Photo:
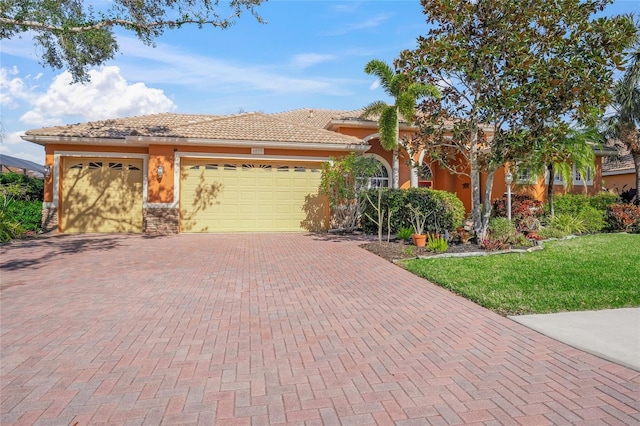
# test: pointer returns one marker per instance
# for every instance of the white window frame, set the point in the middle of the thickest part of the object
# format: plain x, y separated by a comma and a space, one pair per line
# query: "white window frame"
578, 178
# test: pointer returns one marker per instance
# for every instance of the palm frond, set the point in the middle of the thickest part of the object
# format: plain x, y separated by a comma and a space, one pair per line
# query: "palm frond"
388, 128
381, 70
374, 109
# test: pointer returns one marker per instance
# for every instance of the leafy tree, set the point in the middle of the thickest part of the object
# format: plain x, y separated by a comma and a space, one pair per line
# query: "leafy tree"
504, 66
343, 181
405, 93
624, 125
74, 34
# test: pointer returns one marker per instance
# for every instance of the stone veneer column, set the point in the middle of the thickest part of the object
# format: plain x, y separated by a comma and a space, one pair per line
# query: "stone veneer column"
161, 220
49, 218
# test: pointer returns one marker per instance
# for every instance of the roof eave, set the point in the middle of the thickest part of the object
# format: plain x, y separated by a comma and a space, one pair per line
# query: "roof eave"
145, 141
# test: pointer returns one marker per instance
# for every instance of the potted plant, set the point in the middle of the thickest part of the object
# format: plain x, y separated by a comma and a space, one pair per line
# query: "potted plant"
418, 220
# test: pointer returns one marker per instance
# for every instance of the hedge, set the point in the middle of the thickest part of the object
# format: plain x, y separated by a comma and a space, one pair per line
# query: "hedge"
447, 211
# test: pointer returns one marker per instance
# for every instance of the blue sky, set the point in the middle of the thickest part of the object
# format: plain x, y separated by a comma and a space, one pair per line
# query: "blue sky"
309, 54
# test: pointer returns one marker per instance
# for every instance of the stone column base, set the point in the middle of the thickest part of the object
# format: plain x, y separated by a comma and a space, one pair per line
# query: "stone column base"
161, 220
49, 219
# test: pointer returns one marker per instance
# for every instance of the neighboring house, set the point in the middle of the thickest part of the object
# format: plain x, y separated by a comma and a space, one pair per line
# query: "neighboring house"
619, 173
202, 173
10, 164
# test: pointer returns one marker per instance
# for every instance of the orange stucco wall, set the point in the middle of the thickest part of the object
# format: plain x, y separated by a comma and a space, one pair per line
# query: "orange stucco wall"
160, 190
615, 183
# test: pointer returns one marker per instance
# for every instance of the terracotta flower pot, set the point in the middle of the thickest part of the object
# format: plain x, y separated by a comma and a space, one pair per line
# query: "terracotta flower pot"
419, 240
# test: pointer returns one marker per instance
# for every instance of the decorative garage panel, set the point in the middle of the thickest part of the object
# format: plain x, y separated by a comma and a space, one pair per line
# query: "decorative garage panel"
101, 195
229, 196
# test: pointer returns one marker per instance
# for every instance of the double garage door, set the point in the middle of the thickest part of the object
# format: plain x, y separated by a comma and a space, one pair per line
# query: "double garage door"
106, 195
231, 196
101, 195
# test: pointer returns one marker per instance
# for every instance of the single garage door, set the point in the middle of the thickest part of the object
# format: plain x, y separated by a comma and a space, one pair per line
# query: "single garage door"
227, 196
101, 195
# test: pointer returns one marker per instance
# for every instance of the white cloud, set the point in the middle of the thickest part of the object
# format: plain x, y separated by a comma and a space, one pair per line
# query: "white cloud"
13, 90
107, 95
166, 64
375, 85
374, 22
306, 60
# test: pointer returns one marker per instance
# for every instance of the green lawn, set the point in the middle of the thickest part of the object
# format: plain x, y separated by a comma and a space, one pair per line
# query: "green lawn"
587, 273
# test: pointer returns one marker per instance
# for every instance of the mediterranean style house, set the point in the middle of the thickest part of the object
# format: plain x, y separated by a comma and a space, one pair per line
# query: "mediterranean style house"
249, 172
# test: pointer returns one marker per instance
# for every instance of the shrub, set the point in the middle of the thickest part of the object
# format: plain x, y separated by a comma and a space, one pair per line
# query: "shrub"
592, 218
446, 211
521, 206
551, 232
9, 227
575, 203
568, 223
21, 187
502, 228
437, 244
404, 234
602, 200
623, 217
27, 213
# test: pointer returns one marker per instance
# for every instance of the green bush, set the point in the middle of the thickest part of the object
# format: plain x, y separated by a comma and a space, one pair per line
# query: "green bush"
592, 218
27, 213
21, 187
502, 229
404, 234
9, 227
445, 209
602, 200
568, 223
551, 232
575, 203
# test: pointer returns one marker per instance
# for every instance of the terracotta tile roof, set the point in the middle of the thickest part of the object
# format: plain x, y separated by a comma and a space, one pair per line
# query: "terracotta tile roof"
319, 118
240, 127
622, 163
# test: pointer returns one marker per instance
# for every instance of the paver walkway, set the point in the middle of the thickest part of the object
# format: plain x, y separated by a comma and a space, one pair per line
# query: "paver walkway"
268, 329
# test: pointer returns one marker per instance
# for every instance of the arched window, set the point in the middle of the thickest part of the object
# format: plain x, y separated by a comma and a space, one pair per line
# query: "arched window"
425, 176
380, 178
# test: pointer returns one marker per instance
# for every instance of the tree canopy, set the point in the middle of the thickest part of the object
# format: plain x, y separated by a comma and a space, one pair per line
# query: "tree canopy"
624, 124
507, 65
74, 34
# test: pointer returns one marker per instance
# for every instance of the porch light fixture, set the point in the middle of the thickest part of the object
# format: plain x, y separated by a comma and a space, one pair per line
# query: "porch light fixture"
47, 171
508, 179
160, 171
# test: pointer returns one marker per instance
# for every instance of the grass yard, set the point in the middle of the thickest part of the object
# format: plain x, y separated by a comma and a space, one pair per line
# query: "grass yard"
587, 273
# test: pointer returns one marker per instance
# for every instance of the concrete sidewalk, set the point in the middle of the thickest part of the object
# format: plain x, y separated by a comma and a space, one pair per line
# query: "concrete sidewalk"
612, 334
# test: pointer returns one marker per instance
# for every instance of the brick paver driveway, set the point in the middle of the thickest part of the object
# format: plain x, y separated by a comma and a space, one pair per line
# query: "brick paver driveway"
266, 329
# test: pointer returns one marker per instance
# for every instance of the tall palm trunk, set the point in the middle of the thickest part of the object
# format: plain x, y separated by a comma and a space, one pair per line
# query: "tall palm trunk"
395, 165
636, 162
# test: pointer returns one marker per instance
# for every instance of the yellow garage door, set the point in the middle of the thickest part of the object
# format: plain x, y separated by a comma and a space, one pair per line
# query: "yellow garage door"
226, 196
101, 195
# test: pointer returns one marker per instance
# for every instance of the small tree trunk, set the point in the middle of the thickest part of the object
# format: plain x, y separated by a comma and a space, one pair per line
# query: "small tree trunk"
550, 189
487, 206
475, 190
636, 162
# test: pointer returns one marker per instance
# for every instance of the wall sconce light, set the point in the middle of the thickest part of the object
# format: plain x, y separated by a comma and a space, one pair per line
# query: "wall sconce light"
47, 171
160, 171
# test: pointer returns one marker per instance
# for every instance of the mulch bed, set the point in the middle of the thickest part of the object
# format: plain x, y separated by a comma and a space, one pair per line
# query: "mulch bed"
400, 250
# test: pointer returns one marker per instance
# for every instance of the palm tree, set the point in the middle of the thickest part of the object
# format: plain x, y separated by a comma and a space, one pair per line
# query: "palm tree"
624, 125
405, 93
561, 150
